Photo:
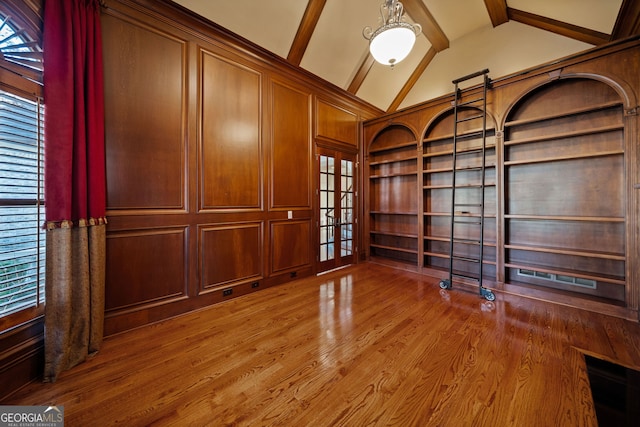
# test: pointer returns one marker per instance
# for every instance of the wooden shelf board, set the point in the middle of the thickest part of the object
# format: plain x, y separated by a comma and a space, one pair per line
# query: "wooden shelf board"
470, 132
392, 213
446, 256
492, 216
437, 238
559, 251
393, 175
438, 153
394, 147
564, 218
436, 254
389, 233
450, 169
562, 158
393, 248
564, 135
436, 187
569, 113
440, 187
386, 162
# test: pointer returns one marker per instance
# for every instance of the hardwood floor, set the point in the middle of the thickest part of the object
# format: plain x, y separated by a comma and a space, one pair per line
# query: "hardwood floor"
366, 345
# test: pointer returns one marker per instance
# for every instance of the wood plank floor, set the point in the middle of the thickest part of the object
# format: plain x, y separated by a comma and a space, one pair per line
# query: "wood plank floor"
366, 345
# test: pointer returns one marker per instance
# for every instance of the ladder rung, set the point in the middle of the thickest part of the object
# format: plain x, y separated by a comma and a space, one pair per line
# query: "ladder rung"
468, 135
469, 186
467, 222
463, 258
470, 76
465, 276
468, 204
472, 101
472, 151
468, 241
466, 119
470, 168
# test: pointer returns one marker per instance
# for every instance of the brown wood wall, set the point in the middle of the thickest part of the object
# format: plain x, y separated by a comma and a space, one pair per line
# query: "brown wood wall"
210, 149
210, 146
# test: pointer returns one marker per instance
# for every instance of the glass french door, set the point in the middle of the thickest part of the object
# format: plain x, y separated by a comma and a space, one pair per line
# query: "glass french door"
337, 209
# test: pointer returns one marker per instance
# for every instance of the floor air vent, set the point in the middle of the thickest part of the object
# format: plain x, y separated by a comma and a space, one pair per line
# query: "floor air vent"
559, 278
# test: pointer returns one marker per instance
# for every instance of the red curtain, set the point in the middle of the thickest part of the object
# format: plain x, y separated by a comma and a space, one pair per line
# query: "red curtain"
75, 186
74, 111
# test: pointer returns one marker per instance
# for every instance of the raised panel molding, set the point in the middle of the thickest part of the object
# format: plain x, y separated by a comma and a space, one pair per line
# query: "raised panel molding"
290, 245
230, 254
230, 135
336, 124
145, 118
291, 172
145, 267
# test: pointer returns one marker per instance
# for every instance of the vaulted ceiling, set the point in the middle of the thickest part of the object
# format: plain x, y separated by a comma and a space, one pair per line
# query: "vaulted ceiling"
458, 37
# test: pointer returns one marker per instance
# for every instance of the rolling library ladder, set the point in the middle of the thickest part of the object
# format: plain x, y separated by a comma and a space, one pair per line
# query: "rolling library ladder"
468, 212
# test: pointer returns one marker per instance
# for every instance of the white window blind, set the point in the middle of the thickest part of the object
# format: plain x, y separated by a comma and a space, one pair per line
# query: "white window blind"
22, 240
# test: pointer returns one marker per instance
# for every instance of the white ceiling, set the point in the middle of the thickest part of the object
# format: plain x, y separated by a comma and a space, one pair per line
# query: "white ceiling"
336, 49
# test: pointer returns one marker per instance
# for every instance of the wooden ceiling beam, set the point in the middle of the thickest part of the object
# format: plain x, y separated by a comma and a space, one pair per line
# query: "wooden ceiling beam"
430, 28
305, 30
628, 21
497, 11
361, 74
415, 76
558, 27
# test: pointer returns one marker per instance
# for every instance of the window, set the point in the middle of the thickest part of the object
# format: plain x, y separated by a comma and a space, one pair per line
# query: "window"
22, 241
21, 204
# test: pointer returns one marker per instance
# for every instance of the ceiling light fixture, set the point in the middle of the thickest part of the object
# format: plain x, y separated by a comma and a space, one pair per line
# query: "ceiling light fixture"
393, 41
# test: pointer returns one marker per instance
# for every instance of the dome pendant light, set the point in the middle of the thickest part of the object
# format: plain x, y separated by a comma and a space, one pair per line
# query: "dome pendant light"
393, 41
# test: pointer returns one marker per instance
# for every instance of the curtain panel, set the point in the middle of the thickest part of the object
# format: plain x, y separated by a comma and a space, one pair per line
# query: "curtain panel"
75, 193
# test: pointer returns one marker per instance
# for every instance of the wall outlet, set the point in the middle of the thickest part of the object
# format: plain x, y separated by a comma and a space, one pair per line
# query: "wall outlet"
227, 292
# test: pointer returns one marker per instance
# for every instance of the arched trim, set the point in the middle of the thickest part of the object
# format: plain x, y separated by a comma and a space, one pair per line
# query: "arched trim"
387, 127
622, 89
449, 110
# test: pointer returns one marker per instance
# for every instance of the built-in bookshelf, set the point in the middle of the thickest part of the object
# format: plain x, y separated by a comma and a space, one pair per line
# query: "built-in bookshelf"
392, 161
565, 190
437, 170
561, 201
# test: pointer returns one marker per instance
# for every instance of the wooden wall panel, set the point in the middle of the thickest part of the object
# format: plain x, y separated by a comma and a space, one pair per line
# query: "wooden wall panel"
290, 248
336, 124
576, 188
230, 253
230, 126
144, 116
145, 266
291, 172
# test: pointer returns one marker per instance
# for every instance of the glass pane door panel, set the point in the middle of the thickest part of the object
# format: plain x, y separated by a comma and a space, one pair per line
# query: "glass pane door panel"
327, 209
346, 208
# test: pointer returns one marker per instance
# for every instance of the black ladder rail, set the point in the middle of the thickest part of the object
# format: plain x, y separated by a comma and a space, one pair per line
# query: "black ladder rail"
447, 284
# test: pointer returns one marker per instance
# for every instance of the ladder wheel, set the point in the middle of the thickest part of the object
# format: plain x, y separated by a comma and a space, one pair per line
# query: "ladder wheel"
444, 284
489, 296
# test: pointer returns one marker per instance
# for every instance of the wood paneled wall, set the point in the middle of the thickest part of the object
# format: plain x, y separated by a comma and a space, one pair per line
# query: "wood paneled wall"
210, 162
210, 152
